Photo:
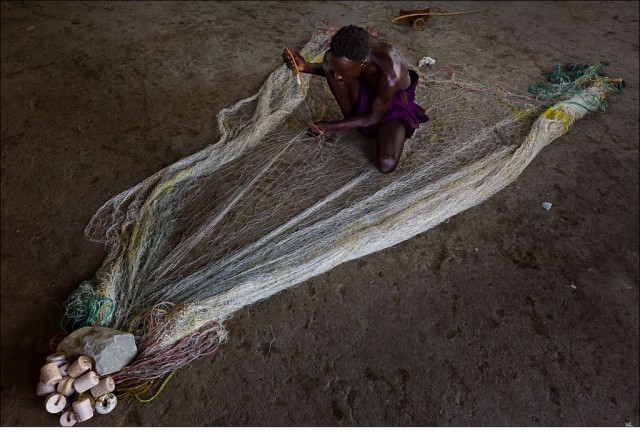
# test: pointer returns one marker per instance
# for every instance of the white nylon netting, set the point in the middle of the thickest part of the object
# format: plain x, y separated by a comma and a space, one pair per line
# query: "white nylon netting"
268, 207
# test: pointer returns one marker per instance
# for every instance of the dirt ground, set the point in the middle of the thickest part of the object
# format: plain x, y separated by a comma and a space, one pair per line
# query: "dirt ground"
506, 315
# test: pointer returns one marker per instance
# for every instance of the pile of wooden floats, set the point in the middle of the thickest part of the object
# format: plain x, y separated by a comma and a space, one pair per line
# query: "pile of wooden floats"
74, 389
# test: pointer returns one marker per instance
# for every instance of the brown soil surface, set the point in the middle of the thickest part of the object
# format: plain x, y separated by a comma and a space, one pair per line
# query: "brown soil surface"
505, 315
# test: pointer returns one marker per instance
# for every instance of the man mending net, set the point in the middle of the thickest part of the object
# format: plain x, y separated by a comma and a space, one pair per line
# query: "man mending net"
373, 86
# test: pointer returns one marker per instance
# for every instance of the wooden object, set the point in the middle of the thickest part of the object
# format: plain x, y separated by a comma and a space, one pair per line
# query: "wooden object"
55, 403
65, 387
417, 18
82, 409
106, 385
44, 389
79, 366
86, 382
67, 419
50, 374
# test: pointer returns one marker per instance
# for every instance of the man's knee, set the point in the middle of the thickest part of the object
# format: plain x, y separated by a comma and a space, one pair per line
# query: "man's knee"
390, 137
387, 164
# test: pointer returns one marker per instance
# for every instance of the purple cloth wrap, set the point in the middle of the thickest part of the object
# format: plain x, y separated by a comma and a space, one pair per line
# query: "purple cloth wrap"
402, 107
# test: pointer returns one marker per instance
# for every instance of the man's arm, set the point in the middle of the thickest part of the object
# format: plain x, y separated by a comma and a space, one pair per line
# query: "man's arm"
379, 107
295, 62
313, 68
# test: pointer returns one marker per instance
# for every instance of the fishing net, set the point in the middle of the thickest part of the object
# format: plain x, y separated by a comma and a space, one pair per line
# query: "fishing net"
268, 207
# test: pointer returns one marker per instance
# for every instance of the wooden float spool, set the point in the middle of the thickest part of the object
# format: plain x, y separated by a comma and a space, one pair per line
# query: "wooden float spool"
86, 382
55, 403
82, 409
50, 374
68, 418
79, 367
105, 386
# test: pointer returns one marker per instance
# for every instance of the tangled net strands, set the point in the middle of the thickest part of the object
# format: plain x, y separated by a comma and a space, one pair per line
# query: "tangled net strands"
268, 207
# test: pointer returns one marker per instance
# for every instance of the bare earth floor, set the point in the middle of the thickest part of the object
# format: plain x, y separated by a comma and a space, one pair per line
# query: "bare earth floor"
505, 315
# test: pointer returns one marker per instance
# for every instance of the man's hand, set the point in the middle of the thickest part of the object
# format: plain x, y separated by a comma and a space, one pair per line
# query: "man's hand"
323, 130
316, 130
293, 60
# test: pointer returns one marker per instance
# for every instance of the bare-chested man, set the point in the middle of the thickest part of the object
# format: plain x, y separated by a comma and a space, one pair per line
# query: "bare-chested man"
374, 88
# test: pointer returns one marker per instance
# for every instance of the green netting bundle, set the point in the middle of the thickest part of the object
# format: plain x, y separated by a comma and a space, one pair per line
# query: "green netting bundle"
572, 82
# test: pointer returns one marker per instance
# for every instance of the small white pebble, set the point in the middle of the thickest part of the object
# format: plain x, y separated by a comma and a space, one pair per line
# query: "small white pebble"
426, 61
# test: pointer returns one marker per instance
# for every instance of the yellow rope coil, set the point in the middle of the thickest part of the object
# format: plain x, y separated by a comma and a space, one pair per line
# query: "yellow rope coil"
164, 383
136, 389
553, 113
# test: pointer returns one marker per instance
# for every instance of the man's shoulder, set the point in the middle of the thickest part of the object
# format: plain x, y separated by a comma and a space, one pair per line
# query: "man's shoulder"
390, 58
394, 68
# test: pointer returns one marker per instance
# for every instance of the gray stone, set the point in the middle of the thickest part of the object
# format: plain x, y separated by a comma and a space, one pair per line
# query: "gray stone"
111, 350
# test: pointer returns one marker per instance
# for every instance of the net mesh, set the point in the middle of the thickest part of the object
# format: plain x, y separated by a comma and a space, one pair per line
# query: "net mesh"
268, 207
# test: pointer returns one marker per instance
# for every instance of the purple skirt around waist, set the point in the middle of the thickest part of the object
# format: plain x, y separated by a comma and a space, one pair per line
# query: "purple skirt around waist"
402, 107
